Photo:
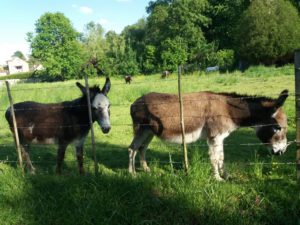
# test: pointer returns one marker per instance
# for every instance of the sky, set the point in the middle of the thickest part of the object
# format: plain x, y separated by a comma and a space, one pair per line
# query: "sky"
18, 17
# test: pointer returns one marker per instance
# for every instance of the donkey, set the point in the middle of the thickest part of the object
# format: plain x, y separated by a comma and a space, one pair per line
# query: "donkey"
60, 123
207, 115
165, 74
128, 79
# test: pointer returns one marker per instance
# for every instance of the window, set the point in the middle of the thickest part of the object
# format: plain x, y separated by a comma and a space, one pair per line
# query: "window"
19, 68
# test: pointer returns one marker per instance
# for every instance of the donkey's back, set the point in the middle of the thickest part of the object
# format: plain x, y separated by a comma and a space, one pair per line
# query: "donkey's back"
205, 113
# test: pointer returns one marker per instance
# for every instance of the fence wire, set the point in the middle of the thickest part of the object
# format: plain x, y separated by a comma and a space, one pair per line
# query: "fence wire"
156, 145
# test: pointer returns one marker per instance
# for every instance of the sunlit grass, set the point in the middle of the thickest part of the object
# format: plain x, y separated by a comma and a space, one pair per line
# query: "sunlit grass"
263, 189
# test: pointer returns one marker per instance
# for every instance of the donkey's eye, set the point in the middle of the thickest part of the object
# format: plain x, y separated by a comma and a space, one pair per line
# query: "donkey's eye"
276, 129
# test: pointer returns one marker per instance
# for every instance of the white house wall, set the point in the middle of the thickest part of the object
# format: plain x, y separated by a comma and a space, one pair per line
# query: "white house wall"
17, 65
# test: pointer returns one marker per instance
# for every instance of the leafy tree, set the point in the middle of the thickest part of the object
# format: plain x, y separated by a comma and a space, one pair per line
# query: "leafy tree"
157, 27
149, 62
225, 59
296, 3
19, 54
153, 4
186, 19
268, 32
55, 44
174, 53
94, 46
134, 36
224, 15
128, 63
170, 20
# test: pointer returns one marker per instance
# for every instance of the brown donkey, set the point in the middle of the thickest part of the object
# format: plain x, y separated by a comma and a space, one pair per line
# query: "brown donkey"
207, 115
61, 123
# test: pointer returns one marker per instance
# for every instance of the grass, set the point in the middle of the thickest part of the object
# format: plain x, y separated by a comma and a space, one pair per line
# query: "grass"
263, 189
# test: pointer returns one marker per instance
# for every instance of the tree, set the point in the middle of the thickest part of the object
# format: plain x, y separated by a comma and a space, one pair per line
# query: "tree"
268, 32
19, 54
55, 44
149, 62
128, 63
153, 4
94, 46
224, 15
134, 36
296, 3
174, 53
170, 20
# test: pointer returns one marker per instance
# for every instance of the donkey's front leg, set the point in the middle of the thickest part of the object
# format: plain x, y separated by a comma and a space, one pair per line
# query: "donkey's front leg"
215, 151
26, 157
79, 155
60, 157
131, 154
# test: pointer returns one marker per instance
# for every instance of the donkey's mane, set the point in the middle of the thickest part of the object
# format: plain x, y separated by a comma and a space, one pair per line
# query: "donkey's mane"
95, 88
256, 98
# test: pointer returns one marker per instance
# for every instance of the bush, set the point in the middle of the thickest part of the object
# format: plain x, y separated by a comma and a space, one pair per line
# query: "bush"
268, 32
18, 76
263, 71
225, 60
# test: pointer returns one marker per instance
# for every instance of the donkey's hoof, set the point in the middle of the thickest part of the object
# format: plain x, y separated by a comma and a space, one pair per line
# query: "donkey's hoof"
227, 176
147, 169
132, 172
218, 178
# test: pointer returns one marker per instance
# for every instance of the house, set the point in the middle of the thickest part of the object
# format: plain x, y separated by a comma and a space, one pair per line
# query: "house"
17, 65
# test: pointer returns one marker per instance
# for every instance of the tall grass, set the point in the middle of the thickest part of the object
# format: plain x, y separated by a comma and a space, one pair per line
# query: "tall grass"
263, 189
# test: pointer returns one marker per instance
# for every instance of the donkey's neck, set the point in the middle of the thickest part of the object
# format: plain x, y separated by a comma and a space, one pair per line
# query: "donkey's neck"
254, 111
78, 108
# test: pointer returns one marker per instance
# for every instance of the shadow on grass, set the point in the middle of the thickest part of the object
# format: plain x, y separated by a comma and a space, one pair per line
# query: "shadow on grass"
117, 198
122, 199
236, 150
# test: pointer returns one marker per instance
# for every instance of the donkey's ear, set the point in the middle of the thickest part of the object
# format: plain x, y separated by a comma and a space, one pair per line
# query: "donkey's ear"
281, 99
106, 86
81, 87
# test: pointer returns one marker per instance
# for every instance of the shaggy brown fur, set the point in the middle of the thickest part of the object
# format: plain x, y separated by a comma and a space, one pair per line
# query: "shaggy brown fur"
208, 115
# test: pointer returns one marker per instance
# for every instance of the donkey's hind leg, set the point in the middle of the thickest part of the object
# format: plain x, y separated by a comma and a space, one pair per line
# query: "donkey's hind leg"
26, 157
60, 157
140, 142
143, 150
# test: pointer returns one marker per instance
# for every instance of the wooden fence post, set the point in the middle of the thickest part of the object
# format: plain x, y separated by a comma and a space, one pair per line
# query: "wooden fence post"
17, 141
91, 124
186, 163
297, 96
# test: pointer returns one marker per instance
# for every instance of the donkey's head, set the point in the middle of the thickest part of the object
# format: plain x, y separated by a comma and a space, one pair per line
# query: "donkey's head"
100, 104
273, 131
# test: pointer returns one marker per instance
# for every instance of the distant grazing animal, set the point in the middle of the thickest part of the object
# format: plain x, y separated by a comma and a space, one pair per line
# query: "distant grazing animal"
212, 69
208, 115
60, 123
128, 79
165, 74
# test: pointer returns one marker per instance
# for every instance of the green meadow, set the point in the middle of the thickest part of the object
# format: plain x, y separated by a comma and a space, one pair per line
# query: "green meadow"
263, 188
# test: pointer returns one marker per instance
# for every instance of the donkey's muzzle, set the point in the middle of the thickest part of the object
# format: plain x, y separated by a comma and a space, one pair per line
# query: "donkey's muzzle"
105, 130
277, 153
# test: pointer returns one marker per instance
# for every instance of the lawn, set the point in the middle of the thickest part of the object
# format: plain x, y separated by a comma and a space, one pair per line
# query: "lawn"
263, 188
